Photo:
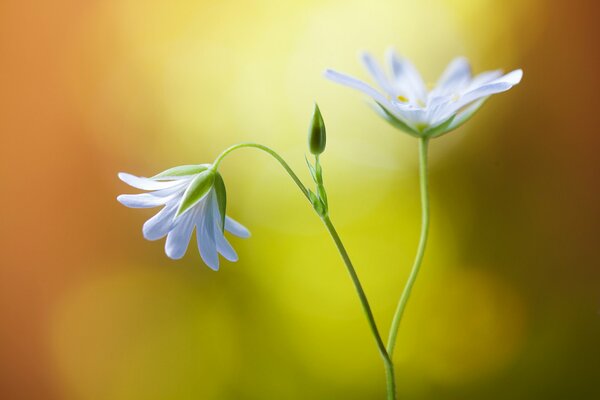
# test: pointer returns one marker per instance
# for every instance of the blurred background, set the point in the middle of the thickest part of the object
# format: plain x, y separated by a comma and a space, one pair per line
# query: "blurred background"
508, 302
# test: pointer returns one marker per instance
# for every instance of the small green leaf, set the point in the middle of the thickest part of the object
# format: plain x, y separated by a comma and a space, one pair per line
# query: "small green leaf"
322, 195
317, 203
311, 169
318, 172
317, 137
221, 198
182, 170
200, 185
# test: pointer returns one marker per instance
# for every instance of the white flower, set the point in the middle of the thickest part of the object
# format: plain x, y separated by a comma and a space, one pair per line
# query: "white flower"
192, 196
405, 101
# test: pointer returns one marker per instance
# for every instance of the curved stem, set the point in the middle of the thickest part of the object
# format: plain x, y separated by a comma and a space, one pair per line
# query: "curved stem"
268, 150
423, 144
389, 367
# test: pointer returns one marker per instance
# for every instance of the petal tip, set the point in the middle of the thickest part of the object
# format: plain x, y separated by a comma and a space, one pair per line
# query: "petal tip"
173, 256
329, 73
518, 75
214, 267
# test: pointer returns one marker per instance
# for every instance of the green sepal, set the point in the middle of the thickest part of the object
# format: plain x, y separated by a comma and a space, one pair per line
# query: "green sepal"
197, 189
317, 137
462, 117
182, 170
317, 203
322, 195
221, 198
394, 121
439, 129
318, 172
313, 173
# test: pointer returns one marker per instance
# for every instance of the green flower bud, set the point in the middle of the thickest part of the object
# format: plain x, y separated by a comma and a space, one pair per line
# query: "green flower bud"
316, 133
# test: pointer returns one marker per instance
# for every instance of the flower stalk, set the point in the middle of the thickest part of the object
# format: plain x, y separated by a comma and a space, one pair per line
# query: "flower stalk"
387, 361
423, 150
316, 172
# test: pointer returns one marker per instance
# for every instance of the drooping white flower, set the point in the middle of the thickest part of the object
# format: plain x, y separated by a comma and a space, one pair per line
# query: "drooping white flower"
192, 196
407, 103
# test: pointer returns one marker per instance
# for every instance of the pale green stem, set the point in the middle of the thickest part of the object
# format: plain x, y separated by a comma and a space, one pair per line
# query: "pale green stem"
268, 150
423, 144
389, 367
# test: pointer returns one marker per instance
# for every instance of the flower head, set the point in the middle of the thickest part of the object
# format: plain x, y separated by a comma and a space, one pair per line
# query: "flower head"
192, 196
406, 102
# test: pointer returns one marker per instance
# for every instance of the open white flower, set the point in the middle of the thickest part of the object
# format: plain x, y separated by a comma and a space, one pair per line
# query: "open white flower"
406, 102
192, 196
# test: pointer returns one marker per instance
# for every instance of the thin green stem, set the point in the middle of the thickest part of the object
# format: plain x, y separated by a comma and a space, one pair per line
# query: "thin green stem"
389, 367
423, 145
271, 152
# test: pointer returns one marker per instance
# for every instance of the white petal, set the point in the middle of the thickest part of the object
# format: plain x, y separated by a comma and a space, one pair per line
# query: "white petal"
145, 183
142, 200
160, 224
205, 237
498, 85
377, 73
512, 77
414, 115
179, 237
355, 84
235, 228
224, 247
208, 249
406, 76
456, 75
484, 78
177, 189
484, 81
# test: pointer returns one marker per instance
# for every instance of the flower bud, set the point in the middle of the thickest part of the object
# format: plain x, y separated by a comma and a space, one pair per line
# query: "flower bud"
316, 133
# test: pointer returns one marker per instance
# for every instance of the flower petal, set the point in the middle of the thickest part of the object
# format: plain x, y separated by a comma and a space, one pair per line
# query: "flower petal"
179, 237
355, 84
377, 73
145, 183
456, 75
205, 237
208, 249
498, 85
512, 77
235, 228
160, 224
222, 244
483, 78
225, 248
406, 76
142, 200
